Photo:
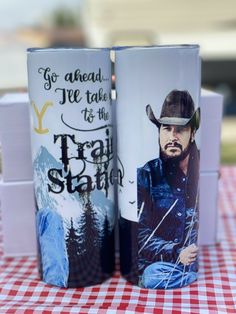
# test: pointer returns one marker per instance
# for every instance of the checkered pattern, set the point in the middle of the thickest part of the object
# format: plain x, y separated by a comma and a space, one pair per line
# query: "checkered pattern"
214, 292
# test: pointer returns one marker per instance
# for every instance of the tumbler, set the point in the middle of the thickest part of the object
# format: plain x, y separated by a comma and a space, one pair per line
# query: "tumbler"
70, 103
158, 120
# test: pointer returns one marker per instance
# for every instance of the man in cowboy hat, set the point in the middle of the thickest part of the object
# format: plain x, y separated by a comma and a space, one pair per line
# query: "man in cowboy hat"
168, 198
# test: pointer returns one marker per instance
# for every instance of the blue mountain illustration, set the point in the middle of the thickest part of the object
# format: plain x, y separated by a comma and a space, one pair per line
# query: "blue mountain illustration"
103, 205
42, 163
60, 246
44, 160
68, 205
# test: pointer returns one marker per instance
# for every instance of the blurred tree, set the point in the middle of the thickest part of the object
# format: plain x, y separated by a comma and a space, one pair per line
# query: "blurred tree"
64, 28
65, 18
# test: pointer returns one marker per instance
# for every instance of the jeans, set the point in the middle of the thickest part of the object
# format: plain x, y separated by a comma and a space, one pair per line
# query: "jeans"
163, 275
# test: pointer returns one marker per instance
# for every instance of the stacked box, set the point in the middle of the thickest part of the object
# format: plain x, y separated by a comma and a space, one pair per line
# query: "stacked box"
16, 186
211, 118
15, 138
18, 218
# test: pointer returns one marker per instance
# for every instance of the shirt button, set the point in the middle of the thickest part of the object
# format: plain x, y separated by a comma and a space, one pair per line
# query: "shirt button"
178, 189
176, 240
179, 214
184, 179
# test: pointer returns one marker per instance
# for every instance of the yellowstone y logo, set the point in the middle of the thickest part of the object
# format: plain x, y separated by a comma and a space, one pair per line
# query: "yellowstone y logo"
40, 115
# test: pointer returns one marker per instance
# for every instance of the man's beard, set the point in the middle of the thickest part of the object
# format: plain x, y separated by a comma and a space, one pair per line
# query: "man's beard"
175, 159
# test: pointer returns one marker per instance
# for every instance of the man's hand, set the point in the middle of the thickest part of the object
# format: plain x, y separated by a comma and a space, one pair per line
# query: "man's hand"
188, 254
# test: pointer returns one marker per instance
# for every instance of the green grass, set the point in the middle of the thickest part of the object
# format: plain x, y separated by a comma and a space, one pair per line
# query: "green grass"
228, 153
228, 141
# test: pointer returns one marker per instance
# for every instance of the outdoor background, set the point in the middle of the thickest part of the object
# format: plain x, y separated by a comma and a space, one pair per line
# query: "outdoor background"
97, 23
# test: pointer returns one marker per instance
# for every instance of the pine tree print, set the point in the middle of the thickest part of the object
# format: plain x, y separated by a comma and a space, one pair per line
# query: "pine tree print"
72, 241
73, 250
89, 229
107, 248
90, 245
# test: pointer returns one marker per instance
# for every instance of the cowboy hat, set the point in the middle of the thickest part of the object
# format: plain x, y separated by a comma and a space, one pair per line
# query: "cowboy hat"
177, 109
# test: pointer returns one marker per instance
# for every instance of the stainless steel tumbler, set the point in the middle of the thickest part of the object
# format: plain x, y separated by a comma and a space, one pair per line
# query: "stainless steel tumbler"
158, 122
70, 101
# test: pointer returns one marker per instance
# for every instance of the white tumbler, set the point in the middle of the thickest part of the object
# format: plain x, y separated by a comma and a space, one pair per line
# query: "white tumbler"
158, 119
70, 101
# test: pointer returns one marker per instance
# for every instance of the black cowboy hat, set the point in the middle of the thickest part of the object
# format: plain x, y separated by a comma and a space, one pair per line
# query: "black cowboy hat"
177, 109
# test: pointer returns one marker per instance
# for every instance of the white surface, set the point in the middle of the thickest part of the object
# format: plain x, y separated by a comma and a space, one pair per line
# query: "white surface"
208, 208
15, 138
18, 218
11, 98
211, 119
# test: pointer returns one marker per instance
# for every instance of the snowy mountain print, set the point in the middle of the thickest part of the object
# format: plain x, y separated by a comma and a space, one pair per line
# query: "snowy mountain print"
85, 222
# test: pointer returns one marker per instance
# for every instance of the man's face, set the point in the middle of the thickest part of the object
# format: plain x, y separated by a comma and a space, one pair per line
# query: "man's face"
174, 140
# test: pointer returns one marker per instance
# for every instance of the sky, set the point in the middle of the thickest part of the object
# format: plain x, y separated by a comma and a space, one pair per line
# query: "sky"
17, 13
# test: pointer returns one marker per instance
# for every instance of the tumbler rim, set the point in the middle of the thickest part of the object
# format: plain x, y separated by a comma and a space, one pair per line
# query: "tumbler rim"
63, 49
172, 46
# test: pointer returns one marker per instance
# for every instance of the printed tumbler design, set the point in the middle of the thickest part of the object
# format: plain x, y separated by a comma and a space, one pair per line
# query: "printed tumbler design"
70, 94
157, 98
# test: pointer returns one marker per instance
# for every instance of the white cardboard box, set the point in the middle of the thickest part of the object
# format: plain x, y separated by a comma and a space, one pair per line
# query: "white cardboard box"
15, 138
208, 208
18, 218
211, 119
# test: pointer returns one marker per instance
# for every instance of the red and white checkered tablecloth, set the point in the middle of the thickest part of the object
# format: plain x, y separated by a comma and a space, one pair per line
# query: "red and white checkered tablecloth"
214, 292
